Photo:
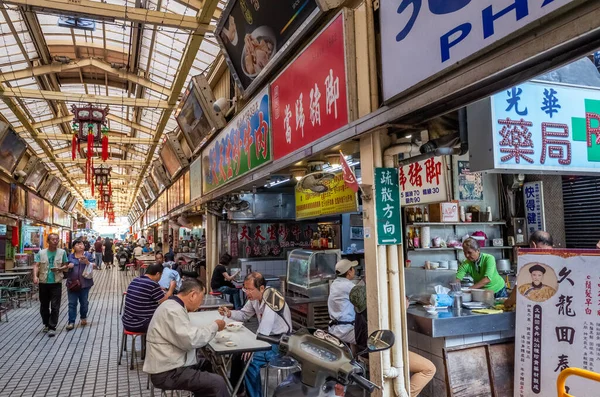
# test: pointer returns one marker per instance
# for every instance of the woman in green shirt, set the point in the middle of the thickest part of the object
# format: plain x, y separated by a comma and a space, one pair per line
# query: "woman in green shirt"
482, 267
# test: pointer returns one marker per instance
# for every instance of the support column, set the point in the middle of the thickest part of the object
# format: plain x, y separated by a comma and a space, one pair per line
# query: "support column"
212, 249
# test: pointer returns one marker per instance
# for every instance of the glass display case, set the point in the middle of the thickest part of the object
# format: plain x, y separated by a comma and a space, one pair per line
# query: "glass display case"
309, 272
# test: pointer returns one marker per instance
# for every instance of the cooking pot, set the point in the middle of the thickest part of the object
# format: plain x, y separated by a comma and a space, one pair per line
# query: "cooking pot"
483, 295
503, 265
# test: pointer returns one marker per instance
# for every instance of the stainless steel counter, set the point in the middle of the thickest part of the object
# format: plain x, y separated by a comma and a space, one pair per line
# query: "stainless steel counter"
454, 323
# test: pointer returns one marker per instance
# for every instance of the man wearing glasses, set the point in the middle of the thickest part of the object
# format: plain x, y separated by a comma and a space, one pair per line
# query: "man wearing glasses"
270, 324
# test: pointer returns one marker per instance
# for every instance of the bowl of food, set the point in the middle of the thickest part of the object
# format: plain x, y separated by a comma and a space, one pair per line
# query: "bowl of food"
222, 337
234, 326
259, 48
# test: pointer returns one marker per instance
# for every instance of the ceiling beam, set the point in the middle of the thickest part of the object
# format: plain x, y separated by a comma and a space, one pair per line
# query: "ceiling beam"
97, 161
73, 97
106, 67
187, 60
47, 123
130, 124
112, 138
106, 11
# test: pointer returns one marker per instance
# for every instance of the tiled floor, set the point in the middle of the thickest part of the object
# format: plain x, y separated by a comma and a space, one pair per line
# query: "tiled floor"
82, 362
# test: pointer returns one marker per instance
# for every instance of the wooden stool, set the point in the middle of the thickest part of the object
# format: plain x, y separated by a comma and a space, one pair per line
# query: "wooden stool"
133, 335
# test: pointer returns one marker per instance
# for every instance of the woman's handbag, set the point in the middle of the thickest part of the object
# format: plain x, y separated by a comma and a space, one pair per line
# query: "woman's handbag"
74, 285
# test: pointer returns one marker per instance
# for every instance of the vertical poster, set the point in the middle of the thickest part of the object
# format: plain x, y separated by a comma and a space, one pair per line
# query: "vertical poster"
387, 205
470, 184
558, 320
533, 197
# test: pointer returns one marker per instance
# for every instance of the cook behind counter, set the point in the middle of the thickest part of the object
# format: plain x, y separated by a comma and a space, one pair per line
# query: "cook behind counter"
484, 267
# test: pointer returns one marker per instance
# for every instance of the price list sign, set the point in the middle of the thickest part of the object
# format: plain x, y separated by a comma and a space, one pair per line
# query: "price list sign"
558, 320
387, 204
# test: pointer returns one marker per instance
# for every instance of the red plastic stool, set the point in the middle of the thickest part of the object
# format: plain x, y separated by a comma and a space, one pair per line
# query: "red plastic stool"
215, 293
133, 335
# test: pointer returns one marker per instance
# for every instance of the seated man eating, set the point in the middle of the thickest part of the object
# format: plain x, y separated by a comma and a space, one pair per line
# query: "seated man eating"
172, 341
142, 299
270, 323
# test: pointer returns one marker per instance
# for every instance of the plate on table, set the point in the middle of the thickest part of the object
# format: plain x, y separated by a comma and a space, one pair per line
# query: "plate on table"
474, 305
230, 344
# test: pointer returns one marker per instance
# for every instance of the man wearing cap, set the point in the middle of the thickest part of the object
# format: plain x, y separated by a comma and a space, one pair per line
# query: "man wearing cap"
537, 291
341, 310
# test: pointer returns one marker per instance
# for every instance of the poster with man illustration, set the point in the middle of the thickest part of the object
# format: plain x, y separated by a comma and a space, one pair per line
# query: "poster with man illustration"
557, 320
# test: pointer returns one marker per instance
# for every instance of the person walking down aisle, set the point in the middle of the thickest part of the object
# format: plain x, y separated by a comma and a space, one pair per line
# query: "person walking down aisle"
98, 253
172, 342
109, 255
79, 282
48, 271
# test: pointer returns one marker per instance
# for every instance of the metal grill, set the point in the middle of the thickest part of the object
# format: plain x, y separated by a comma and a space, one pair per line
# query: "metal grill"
581, 196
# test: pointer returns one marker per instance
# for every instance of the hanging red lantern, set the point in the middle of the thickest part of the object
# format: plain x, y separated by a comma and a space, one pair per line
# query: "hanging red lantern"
110, 188
105, 153
74, 143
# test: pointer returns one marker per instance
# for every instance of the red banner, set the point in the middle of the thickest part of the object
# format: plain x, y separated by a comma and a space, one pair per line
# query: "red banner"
349, 177
309, 98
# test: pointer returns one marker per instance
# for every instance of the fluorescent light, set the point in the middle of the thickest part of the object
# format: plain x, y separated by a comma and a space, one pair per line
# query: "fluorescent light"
279, 182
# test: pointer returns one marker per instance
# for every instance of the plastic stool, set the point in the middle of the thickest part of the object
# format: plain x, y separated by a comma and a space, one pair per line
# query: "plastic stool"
122, 302
283, 365
133, 335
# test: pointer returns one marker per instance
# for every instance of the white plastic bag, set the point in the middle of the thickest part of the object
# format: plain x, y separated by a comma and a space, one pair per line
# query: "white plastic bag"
87, 272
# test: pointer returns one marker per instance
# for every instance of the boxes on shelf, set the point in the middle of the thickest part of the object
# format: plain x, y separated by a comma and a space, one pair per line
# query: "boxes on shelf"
444, 212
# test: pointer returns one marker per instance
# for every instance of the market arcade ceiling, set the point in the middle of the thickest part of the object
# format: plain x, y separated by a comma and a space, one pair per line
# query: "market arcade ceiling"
135, 56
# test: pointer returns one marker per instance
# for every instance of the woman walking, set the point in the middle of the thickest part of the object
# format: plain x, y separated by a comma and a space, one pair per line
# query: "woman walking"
79, 282
109, 255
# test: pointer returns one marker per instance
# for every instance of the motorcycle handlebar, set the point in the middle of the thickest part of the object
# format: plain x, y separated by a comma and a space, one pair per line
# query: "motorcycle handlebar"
268, 339
362, 382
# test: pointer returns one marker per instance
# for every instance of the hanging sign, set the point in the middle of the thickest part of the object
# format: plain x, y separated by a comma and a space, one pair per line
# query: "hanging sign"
35, 207
196, 179
558, 326
537, 127
338, 199
4, 196
387, 204
309, 98
533, 197
421, 38
470, 184
252, 240
423, 182
91, 204
242, 146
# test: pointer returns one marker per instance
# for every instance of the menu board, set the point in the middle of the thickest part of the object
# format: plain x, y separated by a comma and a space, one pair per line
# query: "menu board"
558, 322
35, 207
17, 200
11, 150
252, 32
4, 196
253, 240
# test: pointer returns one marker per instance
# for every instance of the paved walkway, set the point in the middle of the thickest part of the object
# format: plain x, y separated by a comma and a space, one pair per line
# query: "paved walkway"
82, 362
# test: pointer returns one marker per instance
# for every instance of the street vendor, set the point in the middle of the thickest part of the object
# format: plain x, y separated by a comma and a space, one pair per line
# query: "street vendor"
482, 267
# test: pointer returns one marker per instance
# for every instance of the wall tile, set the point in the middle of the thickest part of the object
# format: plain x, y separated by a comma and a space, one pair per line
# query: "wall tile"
508, 334
412, 338
424, 342
470, 339
453, 341
437, 346
490, 336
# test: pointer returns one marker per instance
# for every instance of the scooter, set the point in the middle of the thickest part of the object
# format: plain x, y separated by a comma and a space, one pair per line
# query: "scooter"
328, 366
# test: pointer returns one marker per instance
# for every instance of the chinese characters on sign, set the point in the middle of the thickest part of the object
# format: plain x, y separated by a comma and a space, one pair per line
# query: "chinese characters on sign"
252, 240
387, 204
243, 145
423, 182
537, 126
559, 297
309, 98
533, 197
338, 199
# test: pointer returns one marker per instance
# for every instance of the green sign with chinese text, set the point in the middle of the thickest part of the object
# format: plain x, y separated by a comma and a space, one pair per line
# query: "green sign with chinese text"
387, 206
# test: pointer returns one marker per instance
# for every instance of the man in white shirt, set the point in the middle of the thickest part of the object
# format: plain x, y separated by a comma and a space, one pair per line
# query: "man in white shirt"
270, 323
138, 251
142, 241
171, 344
341, 310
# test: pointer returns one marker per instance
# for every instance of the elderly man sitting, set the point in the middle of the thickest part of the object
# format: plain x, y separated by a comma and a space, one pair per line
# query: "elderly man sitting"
172, 342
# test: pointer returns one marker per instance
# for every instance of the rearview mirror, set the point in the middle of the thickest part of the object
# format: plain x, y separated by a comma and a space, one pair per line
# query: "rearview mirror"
274, 299
380, 340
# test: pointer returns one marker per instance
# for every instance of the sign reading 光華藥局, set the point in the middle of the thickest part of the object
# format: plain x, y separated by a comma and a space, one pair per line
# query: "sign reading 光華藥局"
423, 182
537, 126
450, 30
533, 196
558, 322
309, 98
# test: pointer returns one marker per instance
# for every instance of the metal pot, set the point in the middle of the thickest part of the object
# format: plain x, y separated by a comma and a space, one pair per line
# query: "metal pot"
483, 295
503, 265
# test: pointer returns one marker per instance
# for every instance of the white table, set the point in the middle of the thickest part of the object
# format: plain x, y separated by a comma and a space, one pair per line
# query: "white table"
213, 303
220, 355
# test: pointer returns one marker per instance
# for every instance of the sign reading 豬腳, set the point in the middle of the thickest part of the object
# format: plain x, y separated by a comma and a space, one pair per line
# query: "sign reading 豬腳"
338, 199
309, 98
423, 182
243, 145
533, 197
537, 126
558, 326
450, 30
387, 205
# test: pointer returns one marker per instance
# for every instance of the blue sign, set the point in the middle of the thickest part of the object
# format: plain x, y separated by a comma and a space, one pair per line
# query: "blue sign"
90, 204
537, 127
533, 197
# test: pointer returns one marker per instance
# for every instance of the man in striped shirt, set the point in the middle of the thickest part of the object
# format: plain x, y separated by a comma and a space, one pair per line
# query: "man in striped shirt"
143, 297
